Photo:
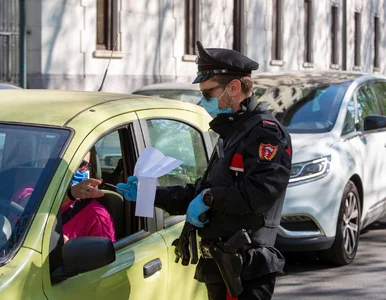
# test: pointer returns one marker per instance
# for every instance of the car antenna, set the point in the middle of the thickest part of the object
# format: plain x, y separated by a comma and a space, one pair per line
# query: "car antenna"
107, 68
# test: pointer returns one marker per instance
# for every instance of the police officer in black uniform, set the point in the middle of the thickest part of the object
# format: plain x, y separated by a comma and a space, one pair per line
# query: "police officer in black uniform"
246, 179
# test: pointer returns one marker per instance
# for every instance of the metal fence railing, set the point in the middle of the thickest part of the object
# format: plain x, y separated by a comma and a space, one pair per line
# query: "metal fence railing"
9, 41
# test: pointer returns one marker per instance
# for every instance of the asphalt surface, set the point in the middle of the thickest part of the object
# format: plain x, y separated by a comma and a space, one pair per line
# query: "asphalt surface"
365, 278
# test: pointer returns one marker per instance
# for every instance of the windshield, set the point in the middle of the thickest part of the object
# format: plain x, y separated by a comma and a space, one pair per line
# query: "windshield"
28, 159
183, 95
306, 109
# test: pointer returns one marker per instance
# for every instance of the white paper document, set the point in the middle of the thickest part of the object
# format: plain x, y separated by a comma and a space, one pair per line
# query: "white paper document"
150, 165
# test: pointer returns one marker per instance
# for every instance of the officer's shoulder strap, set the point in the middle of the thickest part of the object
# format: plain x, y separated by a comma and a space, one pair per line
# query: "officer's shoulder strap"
246, 128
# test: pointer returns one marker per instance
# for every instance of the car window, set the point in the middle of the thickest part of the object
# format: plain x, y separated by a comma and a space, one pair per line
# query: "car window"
29, 157
109, 151
349, 121
380, 88
367, 103
183, 142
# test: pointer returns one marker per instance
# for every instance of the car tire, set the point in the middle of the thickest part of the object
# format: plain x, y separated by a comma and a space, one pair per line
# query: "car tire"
345, 246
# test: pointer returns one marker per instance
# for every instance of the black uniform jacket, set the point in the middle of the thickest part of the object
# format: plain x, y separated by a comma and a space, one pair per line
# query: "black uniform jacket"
248, 182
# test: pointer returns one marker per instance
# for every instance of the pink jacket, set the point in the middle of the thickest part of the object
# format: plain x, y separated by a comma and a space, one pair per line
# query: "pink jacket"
92, 220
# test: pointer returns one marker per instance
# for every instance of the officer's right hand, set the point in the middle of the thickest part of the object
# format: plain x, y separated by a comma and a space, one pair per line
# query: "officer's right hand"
129, 189
195, 209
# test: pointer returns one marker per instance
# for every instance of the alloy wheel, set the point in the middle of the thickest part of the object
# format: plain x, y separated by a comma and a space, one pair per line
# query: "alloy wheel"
350, 223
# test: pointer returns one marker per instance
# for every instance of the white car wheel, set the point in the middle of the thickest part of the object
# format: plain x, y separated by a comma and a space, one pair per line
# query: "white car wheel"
345, 246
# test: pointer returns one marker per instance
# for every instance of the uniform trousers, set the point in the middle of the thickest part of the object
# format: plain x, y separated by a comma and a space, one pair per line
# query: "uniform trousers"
257, 289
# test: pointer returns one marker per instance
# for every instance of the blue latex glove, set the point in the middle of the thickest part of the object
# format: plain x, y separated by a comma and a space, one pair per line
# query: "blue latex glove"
129, 189
195, 209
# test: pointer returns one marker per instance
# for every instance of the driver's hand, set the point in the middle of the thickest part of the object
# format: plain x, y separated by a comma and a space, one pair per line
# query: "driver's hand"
87, 189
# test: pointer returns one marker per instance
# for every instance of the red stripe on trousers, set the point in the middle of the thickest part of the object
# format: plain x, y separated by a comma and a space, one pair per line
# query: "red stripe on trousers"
231, 298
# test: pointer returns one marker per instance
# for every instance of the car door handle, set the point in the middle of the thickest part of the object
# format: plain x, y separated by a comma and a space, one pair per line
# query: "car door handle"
152, 267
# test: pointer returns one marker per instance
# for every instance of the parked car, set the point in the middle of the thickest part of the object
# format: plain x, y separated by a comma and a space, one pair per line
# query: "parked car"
338, 127
45, 137
186, 92
5, 85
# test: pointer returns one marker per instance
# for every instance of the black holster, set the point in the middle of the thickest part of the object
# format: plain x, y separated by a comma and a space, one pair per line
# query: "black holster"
229, 260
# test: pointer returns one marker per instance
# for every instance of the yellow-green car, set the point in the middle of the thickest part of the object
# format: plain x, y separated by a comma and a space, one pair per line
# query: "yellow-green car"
43, 137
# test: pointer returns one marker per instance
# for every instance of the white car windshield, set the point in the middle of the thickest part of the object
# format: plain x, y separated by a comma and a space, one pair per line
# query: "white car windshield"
306, 109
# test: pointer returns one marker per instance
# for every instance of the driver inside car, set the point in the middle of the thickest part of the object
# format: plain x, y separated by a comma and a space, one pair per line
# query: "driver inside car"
82, 215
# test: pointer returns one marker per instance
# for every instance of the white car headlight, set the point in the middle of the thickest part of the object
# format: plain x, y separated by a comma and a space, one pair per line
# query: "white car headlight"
308, 170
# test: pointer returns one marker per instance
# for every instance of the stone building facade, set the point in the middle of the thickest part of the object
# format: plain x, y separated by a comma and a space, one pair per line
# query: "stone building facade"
69, 42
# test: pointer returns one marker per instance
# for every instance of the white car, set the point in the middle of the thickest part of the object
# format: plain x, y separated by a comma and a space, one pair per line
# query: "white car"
338, 127
185, 92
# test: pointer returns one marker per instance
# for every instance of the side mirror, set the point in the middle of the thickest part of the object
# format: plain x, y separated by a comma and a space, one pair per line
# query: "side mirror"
83, 254
372, 122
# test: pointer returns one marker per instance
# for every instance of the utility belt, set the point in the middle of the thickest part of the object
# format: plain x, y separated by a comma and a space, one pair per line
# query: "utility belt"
229, 259
205, 253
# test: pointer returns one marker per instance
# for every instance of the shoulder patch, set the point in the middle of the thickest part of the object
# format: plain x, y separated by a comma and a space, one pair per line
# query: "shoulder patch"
267, 151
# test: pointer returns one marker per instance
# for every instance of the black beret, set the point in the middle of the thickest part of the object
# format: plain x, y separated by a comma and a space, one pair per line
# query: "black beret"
220, 61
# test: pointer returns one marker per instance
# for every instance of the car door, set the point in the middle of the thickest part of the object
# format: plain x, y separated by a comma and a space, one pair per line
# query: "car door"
139, 248
186, 138
373, 162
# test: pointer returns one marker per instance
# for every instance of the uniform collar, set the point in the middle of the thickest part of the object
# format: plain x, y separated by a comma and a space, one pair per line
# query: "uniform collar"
226, 124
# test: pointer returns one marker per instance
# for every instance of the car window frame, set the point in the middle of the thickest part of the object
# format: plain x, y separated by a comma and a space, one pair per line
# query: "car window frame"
88, 142
131, 131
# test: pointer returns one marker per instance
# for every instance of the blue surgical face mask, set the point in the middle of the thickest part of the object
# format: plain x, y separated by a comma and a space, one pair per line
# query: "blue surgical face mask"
211, 106
80, 177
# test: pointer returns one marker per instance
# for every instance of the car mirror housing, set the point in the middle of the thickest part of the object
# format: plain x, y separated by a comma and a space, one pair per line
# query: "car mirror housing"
83, 254
372, 122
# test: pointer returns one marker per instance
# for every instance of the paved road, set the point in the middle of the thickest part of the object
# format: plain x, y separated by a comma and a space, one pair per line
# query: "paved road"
365, 278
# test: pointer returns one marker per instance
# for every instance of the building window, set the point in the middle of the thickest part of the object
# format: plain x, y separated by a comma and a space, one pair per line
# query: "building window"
238, 25
308, 31
376, 43
192, 25
107, 24
277, 30
334, 35
357, 39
